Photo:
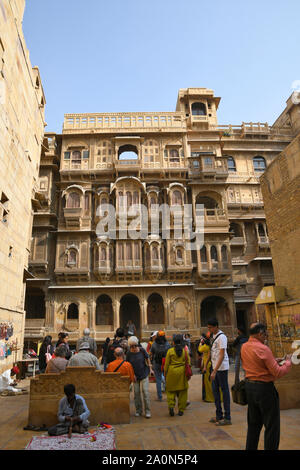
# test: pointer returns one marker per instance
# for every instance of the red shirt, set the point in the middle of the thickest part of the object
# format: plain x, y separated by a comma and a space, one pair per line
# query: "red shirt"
259, 362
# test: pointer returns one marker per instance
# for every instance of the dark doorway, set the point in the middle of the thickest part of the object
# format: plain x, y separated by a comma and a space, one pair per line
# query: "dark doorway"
241, 319
104, 311
215, 307
155, 310
35, 304
73, 313
130, 310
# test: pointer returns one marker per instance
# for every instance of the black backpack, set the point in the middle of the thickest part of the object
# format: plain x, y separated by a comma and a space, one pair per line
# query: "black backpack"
111, 349
159, 353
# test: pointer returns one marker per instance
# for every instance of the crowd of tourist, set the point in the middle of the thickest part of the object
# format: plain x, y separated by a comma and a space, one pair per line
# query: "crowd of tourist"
170, 364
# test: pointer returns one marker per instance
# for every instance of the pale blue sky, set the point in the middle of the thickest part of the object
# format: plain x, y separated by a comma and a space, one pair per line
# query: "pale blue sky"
134, 55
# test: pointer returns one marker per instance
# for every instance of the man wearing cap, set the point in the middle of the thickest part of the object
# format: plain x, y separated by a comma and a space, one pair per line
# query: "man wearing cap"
86, 339
84, 357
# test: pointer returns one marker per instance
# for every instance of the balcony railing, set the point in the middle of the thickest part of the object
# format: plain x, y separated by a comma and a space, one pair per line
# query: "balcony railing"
128, 264
237, 241
113, 121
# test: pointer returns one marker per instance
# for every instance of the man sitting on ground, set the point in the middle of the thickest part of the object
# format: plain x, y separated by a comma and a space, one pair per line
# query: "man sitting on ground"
72, 414
84, 357
86, 339
121, 365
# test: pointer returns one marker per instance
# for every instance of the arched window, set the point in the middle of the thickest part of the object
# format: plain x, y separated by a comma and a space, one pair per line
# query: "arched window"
147, 248
121, 252
174, 155
176, 198
128, 251
154, 253
259, 163
76, 157
214, 257
86, 202
236, 230
208, 202
103, 254
73, 313
136, 251
128, 152
153, 201
231, 164
73, 201
72, 257
203, 254
261, 230
129, 199
179, 255
198, 109
135, 197
224, 255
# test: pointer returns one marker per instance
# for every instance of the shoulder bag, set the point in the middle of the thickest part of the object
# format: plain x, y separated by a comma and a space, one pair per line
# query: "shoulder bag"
188, 369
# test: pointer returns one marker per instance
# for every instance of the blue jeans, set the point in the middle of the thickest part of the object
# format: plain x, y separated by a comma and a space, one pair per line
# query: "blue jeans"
221, 381
159, 377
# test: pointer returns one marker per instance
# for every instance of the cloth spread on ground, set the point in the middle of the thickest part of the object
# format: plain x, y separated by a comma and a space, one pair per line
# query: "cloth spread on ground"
100, 439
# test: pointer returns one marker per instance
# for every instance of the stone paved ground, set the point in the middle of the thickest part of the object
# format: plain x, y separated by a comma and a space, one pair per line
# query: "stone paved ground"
191, 431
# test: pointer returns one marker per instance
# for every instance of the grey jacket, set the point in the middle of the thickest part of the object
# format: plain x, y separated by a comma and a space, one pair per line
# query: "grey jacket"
91, 341
84, 358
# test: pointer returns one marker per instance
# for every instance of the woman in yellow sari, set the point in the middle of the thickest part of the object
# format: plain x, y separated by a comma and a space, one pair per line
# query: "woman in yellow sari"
176, 381
204, 349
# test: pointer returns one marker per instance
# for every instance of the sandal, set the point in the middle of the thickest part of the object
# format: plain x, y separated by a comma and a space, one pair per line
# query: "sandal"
30, 427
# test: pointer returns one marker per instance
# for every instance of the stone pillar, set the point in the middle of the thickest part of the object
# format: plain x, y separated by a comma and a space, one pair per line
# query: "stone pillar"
49, 318
116, 307
91, 314
143, 307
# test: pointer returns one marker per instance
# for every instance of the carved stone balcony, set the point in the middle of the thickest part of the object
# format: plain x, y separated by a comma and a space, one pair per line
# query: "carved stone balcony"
103, 270
70, 274
129, 270
37, 267
180, 271
73, 217
154, 269
198, 121
238, 241
214, 273
208, 167
263, 242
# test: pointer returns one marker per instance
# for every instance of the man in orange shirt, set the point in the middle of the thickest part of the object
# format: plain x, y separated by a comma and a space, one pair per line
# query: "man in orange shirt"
120, 365
262, 369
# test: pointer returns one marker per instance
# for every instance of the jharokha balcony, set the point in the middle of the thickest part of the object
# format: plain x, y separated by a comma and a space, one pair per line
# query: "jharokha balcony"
127, 122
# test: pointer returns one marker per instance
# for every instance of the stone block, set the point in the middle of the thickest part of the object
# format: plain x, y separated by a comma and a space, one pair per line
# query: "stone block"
106, 394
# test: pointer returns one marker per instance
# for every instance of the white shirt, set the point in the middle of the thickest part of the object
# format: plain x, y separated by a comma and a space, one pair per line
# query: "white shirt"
218, 344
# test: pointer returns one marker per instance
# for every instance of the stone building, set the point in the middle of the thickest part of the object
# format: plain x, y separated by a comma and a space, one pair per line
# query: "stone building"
22, 103
281, 191
182, 157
